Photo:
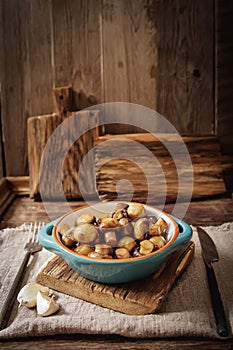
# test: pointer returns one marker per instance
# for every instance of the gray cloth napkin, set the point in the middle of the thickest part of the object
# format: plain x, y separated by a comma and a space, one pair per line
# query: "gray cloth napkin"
186, 312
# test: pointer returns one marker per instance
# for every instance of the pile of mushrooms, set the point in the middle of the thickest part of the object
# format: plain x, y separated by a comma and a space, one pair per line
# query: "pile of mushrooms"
125, 233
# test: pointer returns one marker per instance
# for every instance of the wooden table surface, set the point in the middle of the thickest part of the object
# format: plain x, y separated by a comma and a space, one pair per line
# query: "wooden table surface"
207, 212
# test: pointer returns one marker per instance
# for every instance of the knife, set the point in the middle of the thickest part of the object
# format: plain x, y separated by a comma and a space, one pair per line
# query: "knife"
210, 255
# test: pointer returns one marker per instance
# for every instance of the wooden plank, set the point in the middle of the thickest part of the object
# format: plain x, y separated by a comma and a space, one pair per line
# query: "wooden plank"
1, 160
1, 145
39, 130
115, 162
207, 212
63, 100
185, 65
74, 180
2, 62
37, 58
115, 342
195, 143
27, 77
224, 74
6, 196
12, 92
130, 70
171, 70
185, 68
77, 49
19, 185
135, 298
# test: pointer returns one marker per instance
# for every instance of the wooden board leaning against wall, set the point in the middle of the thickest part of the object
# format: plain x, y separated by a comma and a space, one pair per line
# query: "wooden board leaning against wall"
155, 53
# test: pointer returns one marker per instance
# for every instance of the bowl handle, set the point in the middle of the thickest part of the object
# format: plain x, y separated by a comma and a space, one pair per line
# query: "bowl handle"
46, 238
185, 234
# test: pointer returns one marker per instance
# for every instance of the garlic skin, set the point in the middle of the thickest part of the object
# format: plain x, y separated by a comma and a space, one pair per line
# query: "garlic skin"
28, 294
45, 305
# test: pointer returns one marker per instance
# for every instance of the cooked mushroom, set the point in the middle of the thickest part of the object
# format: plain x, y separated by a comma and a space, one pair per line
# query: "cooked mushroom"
127, 242
141, 226
146, 247
119, 214
124, 233
127, 227
68, 237
85, 219
158, 241
158, 228
122, 253
104, 249
135, 210
108, 223
67, 241
96, 255
83, 249
85, 233
110, 238
63, 228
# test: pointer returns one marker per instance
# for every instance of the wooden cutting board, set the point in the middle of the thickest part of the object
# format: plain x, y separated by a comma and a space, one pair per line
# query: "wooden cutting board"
135, 298
75, 180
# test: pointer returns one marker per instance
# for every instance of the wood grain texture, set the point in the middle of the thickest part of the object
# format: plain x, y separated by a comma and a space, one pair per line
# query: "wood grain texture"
1, 160
162, 58
156, 53
11, 86
63, 100
6, 195
154, 183
185, 66
129, 55
37, 57
19, 185
39, 129
224, 74
2, 165
77, 49
207, 212
115, 342
27, 75
136, 298
68, 148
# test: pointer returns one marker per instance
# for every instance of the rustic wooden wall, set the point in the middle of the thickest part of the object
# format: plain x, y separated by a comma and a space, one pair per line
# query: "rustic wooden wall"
162, 59
158, 53
224, 74
27, 76
1, 153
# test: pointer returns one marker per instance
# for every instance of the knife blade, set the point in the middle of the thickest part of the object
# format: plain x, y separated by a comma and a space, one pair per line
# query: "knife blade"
210, 255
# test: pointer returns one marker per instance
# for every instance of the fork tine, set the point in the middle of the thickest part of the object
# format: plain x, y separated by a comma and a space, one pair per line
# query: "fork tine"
37, 228
34, 232
30, 232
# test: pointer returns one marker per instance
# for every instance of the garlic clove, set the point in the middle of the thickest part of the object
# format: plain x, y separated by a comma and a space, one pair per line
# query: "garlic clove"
45, 305
28, 294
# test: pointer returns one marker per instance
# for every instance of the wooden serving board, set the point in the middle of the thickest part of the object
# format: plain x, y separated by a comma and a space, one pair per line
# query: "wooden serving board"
135, 298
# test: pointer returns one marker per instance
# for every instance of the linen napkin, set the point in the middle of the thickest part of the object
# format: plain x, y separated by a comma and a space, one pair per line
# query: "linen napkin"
186, 312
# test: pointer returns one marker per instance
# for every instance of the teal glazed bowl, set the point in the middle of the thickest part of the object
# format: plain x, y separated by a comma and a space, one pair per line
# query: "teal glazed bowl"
115, 270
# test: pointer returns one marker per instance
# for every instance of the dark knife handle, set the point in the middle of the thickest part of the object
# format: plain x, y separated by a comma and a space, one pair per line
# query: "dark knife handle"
217, 305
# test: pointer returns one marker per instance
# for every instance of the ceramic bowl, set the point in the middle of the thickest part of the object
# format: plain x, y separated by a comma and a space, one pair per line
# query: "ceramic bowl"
115, 270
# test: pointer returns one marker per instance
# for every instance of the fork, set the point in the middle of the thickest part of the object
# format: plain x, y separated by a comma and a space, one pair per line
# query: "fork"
31, 247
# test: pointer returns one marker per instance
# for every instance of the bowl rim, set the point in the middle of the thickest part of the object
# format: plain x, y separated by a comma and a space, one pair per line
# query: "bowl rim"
70, 251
